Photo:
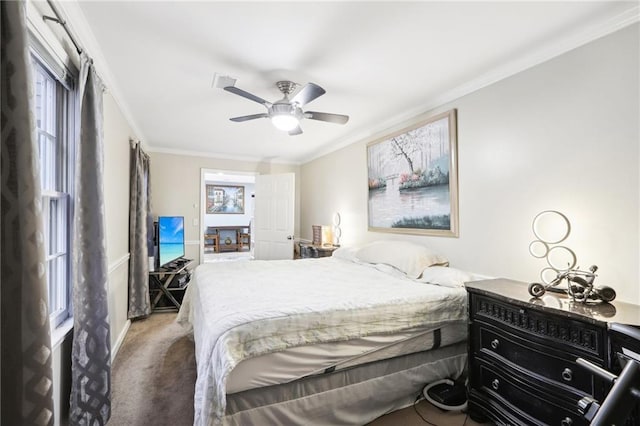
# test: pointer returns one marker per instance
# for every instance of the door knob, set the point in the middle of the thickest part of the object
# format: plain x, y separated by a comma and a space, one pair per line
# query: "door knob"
289, 237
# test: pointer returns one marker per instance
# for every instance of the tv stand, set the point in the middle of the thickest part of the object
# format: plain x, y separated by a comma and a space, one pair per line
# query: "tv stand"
168, 284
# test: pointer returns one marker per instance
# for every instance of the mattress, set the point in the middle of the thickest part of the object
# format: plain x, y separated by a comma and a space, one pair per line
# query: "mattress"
243, 310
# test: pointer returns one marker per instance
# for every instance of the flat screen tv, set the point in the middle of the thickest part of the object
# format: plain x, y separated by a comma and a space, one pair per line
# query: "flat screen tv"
170, 239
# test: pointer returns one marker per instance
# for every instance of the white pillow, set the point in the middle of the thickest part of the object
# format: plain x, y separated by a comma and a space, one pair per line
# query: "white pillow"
408, 257
346, 253
444, 276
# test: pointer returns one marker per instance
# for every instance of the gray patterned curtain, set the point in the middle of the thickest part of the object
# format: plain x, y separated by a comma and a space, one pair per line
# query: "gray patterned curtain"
91, 350
140, 221
27, 379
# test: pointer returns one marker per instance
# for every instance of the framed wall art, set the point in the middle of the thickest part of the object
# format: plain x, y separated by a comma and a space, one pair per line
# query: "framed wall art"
225, 199
413, 178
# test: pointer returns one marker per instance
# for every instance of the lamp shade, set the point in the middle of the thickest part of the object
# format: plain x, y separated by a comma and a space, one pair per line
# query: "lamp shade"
327, 235
286, 122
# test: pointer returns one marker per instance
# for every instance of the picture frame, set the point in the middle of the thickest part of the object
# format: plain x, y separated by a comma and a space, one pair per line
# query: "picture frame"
224, 199
413, 178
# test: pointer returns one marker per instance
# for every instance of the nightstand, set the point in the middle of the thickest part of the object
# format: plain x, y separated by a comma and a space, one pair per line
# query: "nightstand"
522, 353
308, 250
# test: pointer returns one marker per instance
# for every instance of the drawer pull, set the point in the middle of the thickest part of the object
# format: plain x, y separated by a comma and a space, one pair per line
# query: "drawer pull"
495, 384
566, 421
495, 343
567, 374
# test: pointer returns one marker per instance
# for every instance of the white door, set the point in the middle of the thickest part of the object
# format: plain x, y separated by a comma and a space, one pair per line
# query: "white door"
274, 216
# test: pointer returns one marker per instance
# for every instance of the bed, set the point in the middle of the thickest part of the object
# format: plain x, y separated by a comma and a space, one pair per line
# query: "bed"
338, 340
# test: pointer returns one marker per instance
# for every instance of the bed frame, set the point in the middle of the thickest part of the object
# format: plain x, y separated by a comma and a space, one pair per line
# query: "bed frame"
353, 396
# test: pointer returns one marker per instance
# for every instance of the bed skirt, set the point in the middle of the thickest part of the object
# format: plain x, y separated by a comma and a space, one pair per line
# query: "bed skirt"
353, 396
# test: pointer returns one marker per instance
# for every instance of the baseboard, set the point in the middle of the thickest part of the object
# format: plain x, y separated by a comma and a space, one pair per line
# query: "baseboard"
121, 337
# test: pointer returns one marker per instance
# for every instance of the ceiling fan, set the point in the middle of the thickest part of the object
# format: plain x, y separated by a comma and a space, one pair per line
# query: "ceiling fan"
285, 114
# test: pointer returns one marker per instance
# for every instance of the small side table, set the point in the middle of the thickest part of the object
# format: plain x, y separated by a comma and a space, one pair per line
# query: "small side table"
167, 286
308, 250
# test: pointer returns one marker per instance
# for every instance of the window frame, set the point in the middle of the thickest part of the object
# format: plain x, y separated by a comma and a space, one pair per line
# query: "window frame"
63, 188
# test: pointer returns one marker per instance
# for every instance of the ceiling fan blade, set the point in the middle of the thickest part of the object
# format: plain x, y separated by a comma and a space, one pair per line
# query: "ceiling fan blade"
308, 93
296, 131
245, 94
249, 117
325, 116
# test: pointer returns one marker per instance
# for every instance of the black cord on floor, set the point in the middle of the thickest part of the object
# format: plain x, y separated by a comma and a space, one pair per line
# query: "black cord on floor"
466, 417
415, 408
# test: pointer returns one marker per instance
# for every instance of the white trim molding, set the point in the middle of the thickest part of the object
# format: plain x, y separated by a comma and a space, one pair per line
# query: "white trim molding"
524, 62
79, 26
60, 333
244, 158
118, 263
121, 336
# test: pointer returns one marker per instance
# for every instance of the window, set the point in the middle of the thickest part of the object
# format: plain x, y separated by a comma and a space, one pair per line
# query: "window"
54, 126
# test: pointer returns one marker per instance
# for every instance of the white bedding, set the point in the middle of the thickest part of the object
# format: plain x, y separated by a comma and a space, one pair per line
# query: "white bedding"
240, 310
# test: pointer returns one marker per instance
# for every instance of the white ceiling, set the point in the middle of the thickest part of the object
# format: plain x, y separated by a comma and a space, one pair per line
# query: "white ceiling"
380, 62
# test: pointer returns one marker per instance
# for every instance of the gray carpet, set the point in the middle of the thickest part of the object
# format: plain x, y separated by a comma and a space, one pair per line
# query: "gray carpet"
154, 373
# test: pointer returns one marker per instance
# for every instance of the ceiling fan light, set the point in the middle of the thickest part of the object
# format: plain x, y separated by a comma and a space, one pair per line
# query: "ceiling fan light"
285, 122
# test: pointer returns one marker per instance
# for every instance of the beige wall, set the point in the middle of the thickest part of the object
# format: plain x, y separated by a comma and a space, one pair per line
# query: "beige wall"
117, 133
175, 188
562, 135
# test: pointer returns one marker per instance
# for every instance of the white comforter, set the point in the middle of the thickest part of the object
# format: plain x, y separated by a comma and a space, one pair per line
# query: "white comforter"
244, 309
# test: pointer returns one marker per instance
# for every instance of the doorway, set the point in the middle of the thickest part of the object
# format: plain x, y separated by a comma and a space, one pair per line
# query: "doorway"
226, 214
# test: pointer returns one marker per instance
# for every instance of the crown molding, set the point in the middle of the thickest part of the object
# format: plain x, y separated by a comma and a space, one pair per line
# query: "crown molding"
527, 61
77, 23
219, 156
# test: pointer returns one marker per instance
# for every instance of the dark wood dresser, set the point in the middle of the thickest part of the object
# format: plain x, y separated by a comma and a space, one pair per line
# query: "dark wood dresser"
522, 353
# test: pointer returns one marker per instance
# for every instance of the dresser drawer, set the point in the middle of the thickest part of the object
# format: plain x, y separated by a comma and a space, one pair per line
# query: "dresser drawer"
539, 360
580, 338
526, 347
519, 398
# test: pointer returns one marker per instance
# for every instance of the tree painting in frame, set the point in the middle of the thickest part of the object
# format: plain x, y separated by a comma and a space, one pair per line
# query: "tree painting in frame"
225, 199
413, 179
